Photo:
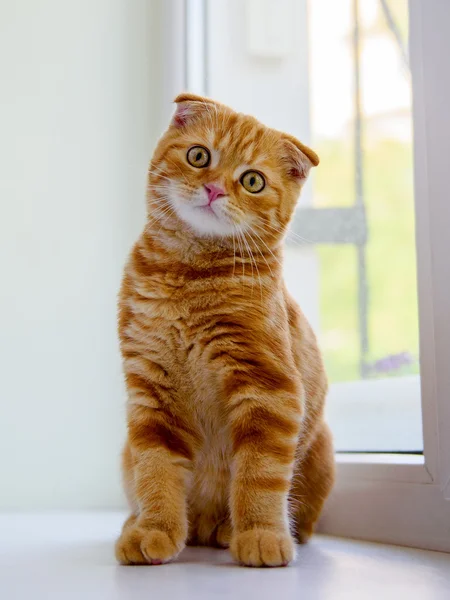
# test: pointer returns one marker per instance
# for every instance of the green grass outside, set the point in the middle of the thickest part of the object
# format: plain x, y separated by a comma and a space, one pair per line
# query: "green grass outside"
391, 262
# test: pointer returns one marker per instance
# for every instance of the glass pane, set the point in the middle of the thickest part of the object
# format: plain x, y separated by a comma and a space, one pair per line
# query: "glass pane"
361, 127
387, 178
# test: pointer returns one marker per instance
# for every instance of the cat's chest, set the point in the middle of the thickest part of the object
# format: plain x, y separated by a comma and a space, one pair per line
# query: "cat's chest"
172, 301
173, 313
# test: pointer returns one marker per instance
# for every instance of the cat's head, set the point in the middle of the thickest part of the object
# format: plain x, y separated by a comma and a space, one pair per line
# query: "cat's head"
222, 172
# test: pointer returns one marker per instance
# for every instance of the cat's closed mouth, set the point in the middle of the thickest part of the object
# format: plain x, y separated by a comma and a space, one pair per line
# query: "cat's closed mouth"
207, 208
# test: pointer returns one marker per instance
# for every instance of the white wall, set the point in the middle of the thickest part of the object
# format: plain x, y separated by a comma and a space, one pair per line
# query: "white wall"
78, 117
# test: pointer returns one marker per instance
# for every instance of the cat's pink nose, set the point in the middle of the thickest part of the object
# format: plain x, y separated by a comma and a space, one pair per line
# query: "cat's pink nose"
214, 191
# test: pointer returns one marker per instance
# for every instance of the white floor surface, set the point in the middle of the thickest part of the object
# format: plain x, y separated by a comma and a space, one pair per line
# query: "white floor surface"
70, 556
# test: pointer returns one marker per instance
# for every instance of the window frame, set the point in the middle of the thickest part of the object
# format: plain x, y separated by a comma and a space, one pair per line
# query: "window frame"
396, 498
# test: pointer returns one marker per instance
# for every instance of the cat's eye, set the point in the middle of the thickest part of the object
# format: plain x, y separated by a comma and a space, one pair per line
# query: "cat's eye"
253, 182
198, 156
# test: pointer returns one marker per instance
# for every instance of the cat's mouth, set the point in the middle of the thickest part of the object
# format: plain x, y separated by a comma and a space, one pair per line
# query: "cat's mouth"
208, 209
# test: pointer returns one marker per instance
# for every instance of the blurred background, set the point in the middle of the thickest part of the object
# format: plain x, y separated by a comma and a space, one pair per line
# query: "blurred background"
86, 89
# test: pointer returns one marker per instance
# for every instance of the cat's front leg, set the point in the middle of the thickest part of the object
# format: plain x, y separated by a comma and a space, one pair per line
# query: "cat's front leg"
160, 450
265, 419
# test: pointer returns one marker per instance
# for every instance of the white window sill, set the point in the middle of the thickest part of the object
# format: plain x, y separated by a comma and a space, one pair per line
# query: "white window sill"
70, 555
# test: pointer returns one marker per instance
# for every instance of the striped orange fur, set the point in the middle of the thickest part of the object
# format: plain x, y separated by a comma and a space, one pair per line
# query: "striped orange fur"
226, 442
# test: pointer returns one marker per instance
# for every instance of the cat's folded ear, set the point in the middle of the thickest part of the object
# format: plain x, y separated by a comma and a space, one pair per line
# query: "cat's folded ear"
189, 106
298, 158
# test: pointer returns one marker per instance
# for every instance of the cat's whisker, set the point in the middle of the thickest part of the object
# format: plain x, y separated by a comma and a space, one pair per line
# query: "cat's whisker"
171, 212
260, 238
294, 238
178, 169
163, 215
178, 185
256, 266
163, 208
155, 170
234, 253
257, 270
302, 240
244, 240
157, 219
162, 222
158, 172
244, 261
262, 254
241, 255
159, 190
156, 185
159, 214
161, 201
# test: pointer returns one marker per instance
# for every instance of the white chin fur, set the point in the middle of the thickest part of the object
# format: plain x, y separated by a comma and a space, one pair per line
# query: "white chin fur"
203, 222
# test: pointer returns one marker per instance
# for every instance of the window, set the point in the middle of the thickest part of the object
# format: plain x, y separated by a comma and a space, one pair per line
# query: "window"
352, 238
339, 75
361, 221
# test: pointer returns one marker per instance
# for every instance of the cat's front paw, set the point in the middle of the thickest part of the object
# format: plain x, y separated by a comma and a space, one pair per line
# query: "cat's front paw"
263, 548
139, 546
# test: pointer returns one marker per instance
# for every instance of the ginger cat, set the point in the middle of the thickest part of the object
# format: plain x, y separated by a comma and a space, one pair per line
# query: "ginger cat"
226, 445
